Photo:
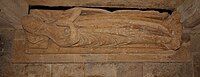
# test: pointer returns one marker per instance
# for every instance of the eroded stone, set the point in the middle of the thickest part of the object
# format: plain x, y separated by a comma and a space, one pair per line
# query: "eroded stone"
196, 60
32, 70
68, 70
129, 70
167, 70
100, 70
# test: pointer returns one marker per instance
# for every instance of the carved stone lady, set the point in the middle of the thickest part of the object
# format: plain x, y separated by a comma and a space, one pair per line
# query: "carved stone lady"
86, 27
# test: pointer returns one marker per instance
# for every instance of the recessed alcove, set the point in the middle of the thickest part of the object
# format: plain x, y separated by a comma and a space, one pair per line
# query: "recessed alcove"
99, 38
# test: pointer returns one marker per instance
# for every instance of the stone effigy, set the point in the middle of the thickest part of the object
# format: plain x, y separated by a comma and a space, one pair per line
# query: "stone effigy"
97, 28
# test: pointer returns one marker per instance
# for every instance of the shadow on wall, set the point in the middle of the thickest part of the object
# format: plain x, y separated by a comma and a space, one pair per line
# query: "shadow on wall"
5, 53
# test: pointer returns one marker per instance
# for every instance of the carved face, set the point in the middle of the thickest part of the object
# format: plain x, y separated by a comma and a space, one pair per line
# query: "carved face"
67, 31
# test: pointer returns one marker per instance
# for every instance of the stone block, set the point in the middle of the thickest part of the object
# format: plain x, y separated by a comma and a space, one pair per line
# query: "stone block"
129, 70
167, 70
32, 70
100, 70
68, 70
18, 70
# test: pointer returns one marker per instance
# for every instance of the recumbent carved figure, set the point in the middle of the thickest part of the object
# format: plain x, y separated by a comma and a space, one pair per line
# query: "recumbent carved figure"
87, 27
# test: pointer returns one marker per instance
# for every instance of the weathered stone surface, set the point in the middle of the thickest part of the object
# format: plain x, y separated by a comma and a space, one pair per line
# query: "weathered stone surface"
100, 70
5, 24
6, 39
5, 69
195, 48
195, 42
129, 69
196, 29
167, 70
162, 4
18, 70
103, 70
190, 13
68, 70
196, 62
32, 70
11, 12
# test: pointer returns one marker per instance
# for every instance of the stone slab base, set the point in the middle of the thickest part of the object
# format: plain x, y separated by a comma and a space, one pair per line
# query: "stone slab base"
20, 55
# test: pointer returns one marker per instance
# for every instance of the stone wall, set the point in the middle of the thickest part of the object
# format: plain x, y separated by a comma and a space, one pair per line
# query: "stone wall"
104, 70
195, 49
11, 12
190, 11
5, 52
